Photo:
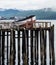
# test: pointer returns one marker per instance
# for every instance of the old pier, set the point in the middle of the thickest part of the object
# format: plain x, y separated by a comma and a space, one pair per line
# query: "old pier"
20, 45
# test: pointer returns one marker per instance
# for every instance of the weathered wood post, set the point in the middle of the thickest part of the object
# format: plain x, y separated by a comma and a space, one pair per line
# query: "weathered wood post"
52, 44
50, 49
45, 38
24, 48
36, 34
42, 46
27, 47
7, 47
12, 48
26, 40
0, 48
34, 49
3, 46
31, 47
18, 47
35, 46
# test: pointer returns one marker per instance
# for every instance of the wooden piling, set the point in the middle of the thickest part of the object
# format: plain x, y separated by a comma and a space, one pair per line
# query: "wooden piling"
12, 48
52, 45
42, 46
45, 38
31, 47
0, 47
3, 46
50, 49
24, 48
27, 47
53, 51
25, 33
7, 47
36, 38
18, 47
35, 46
34, 49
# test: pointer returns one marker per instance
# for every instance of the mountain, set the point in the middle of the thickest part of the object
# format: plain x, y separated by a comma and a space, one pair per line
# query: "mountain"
45, 13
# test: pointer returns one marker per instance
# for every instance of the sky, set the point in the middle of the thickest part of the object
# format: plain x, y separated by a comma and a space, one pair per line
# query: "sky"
27, 4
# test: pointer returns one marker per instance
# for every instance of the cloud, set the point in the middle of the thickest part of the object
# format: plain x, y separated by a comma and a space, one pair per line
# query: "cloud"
27, 4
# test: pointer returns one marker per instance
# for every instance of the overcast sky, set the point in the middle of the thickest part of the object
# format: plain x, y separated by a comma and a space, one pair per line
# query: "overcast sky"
27, 4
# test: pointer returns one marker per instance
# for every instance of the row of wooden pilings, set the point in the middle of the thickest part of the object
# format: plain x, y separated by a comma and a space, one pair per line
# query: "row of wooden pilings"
31, 46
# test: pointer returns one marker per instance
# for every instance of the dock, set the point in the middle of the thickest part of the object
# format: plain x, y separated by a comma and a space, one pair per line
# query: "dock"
31, 44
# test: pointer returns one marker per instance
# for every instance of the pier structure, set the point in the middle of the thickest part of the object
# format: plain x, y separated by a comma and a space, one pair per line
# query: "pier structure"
23, 45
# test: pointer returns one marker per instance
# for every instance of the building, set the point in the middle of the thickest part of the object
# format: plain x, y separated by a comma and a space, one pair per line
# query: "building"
26, 22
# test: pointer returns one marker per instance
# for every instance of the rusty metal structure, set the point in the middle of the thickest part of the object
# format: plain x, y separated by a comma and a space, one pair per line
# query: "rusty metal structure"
23, 45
